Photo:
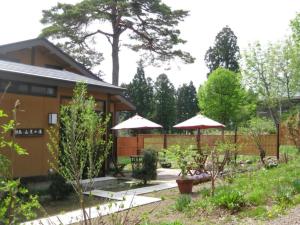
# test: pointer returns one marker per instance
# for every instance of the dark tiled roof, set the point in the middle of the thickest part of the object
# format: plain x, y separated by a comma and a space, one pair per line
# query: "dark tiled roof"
60, 75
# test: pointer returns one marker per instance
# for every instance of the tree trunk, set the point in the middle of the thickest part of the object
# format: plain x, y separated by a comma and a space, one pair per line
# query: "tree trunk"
115, 60
212, 174
274, 117
262, 155
82, 205
213, 185
235, 145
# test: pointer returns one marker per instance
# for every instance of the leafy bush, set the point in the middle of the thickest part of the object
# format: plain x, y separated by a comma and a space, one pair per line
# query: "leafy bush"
182, 156
296, 185
284, 195
16, 204
205, 192
229, 199
257, 127
148, 170
58, 188
182, 202
256, 197
293, 125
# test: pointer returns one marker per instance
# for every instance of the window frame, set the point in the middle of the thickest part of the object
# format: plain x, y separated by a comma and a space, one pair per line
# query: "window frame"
14, 90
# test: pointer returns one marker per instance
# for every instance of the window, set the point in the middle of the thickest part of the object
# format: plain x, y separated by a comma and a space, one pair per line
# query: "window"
22, 88
38, 90
50, 91
99, 106
27, 88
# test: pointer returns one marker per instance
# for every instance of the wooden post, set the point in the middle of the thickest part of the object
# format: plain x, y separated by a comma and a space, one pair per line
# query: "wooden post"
235, 142
109, 157
278, 141
165, 141
223, 138
137, 144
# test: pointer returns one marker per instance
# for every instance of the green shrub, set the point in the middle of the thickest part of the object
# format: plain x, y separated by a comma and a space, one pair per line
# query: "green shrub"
256, 197
284, 195
296, 185
205, 192
149, 166
58, 188
182, 202
229, 199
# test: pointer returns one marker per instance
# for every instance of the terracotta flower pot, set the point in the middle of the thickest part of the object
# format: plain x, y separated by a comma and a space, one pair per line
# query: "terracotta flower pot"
185, 186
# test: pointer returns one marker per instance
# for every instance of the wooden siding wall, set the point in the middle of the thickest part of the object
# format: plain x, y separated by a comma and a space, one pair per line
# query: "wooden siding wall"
33, 113
128, 145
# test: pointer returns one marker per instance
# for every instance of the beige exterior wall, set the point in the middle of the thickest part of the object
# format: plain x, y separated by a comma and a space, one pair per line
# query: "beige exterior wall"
33, 113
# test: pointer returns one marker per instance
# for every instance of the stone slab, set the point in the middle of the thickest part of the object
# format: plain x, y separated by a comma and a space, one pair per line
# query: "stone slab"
75, 216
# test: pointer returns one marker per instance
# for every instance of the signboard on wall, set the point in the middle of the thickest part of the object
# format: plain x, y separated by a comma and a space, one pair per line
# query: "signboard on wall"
29, 132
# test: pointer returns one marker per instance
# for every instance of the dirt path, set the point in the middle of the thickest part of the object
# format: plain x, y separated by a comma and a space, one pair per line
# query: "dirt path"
292, 218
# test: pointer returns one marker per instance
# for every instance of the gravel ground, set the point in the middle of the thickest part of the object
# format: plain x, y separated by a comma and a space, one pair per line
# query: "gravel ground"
292, 218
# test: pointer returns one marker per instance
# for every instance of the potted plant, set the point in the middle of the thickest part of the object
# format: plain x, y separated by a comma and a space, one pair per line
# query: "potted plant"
183, 157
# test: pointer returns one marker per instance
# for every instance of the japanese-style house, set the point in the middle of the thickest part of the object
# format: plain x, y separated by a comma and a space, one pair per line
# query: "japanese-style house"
42, 77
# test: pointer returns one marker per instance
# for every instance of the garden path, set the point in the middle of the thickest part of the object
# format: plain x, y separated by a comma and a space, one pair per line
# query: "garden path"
125, 200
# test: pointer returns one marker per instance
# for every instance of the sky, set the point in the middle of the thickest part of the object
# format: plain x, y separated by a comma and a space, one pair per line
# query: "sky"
251, 20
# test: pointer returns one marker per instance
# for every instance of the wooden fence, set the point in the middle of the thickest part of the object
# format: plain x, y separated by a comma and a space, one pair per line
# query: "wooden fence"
127, 146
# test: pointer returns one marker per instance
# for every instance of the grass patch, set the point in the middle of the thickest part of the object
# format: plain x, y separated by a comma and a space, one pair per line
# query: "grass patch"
229, 198
124, 160
182, 202
259, 194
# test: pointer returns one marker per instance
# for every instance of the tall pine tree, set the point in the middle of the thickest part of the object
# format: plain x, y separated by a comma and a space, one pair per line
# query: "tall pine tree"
149, 25
186, 106
165, 108
140, 92
225, 53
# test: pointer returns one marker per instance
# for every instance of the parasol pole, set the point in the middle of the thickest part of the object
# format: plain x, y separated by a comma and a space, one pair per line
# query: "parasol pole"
198, 139
137, 142
223, 139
